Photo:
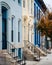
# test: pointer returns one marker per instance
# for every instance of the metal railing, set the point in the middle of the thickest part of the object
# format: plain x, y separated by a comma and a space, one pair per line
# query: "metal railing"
10, 48
31, 47
12, 51
4, 60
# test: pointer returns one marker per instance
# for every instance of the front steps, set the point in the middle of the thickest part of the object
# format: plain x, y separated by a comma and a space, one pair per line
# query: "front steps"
32, 52
6, 59
42, 53
33, 55
29, 54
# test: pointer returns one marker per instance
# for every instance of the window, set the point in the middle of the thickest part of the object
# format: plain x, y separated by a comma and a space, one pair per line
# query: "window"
34, 10
35, 31
28, 32
31, 7
37, 12
19, 30
24, 3
19, 53
28, 5
18, 36
19, 2
31, 35
12, 25
24, 32
12, 30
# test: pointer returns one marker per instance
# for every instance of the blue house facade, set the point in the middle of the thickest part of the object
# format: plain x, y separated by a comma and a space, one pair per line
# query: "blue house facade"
11, 26
38, 13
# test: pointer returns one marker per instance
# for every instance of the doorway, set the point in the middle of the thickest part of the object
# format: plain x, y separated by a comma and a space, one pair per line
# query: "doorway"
4, 27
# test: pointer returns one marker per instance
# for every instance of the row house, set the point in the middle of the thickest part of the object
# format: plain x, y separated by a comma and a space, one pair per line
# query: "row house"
27, 26
18, 21
11, 26
39, 11
31, 14
16, 25
27, 15
28, 18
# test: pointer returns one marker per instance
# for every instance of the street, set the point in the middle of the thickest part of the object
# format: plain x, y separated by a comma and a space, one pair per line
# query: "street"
44, 61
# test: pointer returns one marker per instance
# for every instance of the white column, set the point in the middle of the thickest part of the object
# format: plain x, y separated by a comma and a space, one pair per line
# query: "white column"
0, 28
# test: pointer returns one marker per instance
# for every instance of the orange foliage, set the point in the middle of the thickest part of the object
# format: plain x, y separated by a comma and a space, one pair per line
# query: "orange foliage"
45, 25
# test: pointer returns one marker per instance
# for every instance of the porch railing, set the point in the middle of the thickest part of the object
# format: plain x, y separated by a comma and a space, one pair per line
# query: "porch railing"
10, 48
31, 47
12, 51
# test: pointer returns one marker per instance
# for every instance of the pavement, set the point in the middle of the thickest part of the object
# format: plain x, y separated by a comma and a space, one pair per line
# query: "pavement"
31, 63
47, 60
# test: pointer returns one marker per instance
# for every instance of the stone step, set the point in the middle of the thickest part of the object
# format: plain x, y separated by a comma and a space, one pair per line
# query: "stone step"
40, 51
6, 59
29, 54
3, 51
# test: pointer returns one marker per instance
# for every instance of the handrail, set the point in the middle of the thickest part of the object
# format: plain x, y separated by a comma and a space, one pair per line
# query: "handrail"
13, 54
9, 43
30, 43
10, 47
38, 52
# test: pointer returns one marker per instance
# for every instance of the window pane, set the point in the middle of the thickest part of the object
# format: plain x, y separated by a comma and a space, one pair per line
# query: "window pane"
19, 53
19, 1
12, 30
24, 3
18, 36
34, 10
19, 30
12, 35
37, 12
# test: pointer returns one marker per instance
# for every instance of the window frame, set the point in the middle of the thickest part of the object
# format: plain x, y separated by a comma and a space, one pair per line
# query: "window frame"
24, 3
19, 2
19, 32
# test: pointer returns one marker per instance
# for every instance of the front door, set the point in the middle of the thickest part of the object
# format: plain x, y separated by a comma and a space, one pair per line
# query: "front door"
19, 53
4, 28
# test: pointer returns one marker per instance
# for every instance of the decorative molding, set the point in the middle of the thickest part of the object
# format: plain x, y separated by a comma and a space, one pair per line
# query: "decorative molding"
19, 20
5, 4
13, 16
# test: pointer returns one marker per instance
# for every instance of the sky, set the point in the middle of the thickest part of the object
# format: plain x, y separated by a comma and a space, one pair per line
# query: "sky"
48, 3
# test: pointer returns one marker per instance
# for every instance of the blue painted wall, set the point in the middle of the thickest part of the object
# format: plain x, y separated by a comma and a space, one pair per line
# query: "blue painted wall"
36, 32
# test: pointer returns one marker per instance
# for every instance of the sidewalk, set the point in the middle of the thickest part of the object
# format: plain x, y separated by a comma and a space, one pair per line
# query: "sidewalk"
47, 60
31, 62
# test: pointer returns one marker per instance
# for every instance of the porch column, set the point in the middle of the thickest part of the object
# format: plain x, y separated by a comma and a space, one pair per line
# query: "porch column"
0, 27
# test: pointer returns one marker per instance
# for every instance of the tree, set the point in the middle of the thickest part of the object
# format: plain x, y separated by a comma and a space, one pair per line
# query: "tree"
45, 25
